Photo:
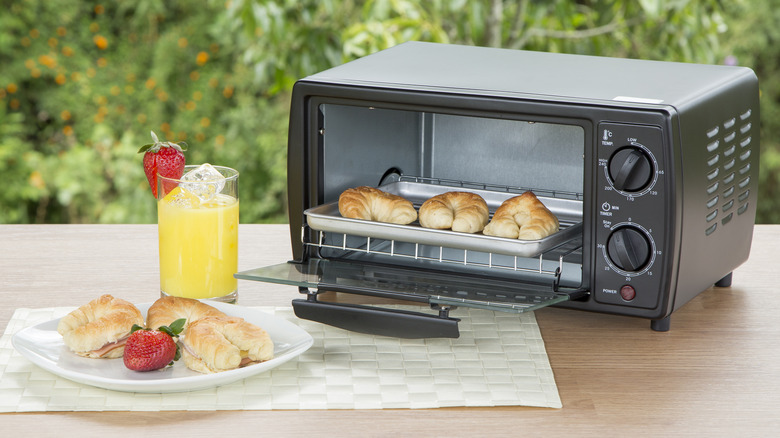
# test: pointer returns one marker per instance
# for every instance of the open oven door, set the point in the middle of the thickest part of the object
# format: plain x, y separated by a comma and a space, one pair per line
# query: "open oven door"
442, 291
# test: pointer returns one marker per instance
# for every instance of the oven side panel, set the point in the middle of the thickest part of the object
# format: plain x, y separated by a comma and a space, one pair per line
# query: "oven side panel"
719, 142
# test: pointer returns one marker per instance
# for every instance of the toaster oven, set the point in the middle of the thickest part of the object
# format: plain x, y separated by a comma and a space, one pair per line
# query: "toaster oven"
650, 167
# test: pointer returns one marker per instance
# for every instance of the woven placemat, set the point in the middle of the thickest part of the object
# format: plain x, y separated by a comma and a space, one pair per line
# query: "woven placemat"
499, 360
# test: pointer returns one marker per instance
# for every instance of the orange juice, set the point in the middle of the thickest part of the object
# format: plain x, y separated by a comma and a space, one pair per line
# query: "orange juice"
198, 245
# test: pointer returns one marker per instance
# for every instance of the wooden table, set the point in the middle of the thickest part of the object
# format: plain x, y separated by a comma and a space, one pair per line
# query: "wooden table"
717, 372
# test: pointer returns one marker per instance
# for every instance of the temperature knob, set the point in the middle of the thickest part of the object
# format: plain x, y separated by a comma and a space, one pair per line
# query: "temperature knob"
630, 169
629, 249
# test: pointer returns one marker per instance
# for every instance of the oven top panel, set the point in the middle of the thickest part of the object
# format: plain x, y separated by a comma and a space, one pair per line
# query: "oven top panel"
504, 72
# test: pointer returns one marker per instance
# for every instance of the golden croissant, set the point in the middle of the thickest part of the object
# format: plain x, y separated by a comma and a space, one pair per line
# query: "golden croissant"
373, 204
460, 211
522, 217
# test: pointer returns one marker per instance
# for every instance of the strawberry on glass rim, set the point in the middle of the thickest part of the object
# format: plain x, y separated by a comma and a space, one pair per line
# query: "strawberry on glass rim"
165, 158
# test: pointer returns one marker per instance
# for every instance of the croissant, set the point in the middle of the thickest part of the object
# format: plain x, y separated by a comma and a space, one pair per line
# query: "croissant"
373, 204
168, 309
214, 344
522, 217
460, 211
100, 328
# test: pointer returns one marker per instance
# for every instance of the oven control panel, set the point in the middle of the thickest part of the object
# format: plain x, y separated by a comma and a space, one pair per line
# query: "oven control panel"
631, 211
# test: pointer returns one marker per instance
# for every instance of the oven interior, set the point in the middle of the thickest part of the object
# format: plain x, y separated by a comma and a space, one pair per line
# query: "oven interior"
419, 154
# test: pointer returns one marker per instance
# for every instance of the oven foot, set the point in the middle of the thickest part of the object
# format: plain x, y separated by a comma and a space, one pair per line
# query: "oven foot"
661, 325
725, 281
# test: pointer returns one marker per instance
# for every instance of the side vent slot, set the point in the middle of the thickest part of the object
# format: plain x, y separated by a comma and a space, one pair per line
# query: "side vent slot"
729, 148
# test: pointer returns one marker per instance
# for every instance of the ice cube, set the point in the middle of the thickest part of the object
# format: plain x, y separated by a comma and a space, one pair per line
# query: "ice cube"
181, 198
205, 182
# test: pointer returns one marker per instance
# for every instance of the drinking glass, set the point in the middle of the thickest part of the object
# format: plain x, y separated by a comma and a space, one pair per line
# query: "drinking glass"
197, 220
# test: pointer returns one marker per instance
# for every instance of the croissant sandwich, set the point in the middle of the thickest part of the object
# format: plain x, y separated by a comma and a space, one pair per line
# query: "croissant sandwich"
215, 344
100, 328
168, 309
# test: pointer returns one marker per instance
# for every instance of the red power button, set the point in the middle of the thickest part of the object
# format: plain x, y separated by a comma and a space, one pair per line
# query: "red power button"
628, 292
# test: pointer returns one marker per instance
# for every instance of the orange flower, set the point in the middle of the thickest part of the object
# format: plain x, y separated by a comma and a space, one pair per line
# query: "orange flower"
68, 130
115, 90
213, 82
197, 96
65, 115
205, 122
34, 33
14, 104
11, 88
36, 180
182, 42
47, 60
60, 79
67, 51
61, 31
53, 42
100, 41
227, 92
99, 9
150, 83
202, 58
190, 105
102, 62
194, 75
200, 137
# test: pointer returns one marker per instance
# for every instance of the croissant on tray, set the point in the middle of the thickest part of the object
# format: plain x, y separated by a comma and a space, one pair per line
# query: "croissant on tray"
373, 204
459, 211
523, 217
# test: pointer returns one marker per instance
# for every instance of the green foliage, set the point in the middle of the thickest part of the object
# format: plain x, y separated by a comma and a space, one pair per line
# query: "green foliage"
755, 43
83, 84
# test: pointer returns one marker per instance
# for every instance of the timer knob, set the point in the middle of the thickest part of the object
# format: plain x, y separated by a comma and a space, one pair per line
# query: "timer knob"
630, 169
628, 248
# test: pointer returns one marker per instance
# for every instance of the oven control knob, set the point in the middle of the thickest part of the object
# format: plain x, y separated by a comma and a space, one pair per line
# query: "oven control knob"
629, 249
630, 169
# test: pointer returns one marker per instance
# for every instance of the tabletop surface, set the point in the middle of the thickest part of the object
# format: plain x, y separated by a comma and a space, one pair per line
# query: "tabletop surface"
716, 372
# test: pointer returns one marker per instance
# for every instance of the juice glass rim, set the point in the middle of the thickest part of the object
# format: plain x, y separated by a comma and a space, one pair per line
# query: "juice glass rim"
228, 173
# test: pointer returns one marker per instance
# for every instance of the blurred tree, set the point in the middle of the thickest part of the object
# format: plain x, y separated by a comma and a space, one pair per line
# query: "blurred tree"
82, 84
287, 39
755, 43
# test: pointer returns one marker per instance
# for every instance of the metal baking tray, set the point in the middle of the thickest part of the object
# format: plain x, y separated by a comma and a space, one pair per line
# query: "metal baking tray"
327, 218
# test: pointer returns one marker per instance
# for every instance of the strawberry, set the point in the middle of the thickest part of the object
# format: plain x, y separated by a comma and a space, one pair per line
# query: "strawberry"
148, 350
165, 158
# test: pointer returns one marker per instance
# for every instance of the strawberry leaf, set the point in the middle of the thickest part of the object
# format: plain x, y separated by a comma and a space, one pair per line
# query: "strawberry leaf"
145, 148
174, 329
136, 327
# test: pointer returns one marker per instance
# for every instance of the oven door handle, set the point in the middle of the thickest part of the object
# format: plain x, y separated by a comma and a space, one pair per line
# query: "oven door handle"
377, 320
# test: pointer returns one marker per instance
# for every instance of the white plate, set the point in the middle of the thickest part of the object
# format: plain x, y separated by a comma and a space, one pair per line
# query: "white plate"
43, 346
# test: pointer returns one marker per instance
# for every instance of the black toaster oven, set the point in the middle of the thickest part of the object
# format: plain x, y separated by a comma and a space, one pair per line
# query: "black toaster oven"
650, 167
